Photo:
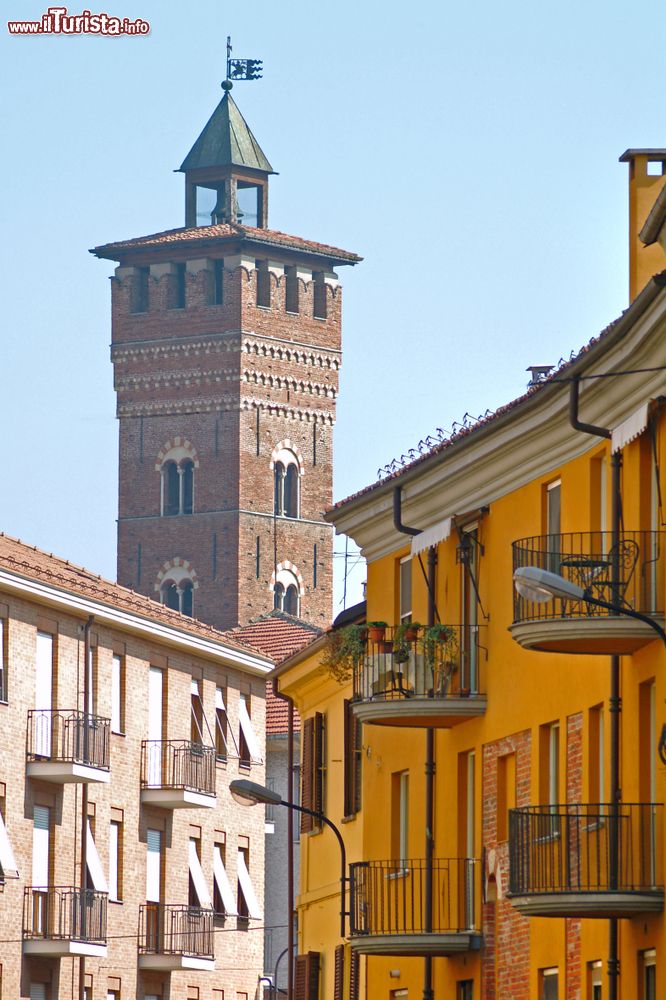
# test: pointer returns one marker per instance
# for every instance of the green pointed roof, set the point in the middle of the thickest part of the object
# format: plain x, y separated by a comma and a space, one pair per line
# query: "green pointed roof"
226, 141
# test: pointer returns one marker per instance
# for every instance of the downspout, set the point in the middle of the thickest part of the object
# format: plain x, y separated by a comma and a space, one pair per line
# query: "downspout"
428, 993
290, 838
615, 706
87, 691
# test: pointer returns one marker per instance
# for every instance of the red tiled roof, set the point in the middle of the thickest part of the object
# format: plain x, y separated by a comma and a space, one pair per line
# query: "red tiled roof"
279, 636
227, 231
35, 564
558, 375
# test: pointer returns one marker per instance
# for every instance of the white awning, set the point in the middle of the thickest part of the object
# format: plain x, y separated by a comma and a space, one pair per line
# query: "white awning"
247, 888
94, 864
432, 536
248, 732
219, 699
629, 428
197, 876
8, 867
222, 883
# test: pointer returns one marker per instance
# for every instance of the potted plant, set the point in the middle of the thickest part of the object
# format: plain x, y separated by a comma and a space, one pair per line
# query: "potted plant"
376, 631
441, 654
345, 649
403, 635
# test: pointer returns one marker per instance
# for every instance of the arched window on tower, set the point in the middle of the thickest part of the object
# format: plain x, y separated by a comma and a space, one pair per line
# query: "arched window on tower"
286, 474
186, 597
177, 486
286, 593
178, 596
170, 595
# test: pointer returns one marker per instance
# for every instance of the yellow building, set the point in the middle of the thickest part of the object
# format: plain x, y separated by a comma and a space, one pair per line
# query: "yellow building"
506, 838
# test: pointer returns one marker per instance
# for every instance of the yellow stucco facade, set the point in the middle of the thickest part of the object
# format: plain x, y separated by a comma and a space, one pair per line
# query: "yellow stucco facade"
535, 869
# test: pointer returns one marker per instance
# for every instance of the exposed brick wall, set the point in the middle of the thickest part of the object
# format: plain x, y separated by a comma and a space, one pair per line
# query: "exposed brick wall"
238, 954
505, 956
574, 794
234, 380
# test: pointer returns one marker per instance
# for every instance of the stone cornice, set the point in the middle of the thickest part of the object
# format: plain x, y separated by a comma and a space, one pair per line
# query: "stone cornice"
523, 443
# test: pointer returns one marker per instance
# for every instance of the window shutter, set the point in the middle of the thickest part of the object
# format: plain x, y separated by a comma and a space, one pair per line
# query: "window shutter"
354, 975
319, 764
348, 759
339, 975
307, 773
306, 980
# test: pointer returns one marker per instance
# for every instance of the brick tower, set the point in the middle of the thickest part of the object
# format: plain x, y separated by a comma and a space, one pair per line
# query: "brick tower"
226, 350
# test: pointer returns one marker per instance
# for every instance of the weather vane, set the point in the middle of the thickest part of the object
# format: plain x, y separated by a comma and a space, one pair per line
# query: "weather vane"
241, 69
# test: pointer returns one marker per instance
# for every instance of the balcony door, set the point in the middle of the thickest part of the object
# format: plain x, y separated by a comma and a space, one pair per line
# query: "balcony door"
154, 886
155, 720
43, 694
469, 560
41, 854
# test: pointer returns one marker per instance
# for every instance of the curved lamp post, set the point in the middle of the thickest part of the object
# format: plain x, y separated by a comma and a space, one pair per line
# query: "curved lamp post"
540, 586
249, 793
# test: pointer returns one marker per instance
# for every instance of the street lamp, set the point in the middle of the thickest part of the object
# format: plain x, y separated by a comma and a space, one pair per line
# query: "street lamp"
249, 793
540, 586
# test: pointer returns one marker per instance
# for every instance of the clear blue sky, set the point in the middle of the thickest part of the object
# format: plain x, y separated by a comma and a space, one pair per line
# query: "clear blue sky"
468, 152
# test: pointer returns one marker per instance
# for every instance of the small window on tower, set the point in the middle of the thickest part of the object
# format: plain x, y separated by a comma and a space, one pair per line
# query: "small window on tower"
139, 296
263, 278
218, 278
319, 300
179, 288
291, 289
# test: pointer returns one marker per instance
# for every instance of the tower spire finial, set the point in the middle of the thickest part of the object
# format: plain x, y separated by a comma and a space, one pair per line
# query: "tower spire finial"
241, 69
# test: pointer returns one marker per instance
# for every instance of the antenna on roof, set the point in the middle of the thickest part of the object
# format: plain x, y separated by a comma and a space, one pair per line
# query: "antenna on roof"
241, 69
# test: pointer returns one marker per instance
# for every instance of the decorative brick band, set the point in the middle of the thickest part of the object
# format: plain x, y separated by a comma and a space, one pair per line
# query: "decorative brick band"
177, 570
281, 576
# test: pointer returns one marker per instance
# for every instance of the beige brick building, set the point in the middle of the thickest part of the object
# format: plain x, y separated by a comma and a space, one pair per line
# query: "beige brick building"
126, 767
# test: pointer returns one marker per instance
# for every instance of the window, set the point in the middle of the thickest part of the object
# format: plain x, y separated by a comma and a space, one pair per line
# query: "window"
465, 989
594, 980
291, 289
199, 895
548, 984
221, 724
406, 589
44, 662
177, 487
263, 278
248, 746
468, 556
177, 288
353, 750
154, 866
248, 905
8, 867
116, 856
224, 903
117, 694
197, 714
286, 592
313, 771
554, 525
319, 309
648, 975
178, 596
549, 765
41, 865
596, 754
400, 817
140, 296
96, 877
506, 793
218, 283
3, 660
286, 485
306, 975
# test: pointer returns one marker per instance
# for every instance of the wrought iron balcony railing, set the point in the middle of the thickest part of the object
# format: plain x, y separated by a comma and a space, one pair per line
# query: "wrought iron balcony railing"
68, 736
629, 571
64, 913
390, 897
404, 665
586, 848
178, 764
166, 929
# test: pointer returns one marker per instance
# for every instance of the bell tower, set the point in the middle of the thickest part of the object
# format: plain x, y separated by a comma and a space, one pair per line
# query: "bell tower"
226, 347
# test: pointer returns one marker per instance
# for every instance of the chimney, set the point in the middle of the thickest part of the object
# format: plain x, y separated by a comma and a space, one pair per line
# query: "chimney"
647, 215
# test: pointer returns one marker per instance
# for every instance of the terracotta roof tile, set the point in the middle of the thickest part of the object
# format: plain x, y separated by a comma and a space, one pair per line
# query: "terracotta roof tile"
35, 564
222, 231
279, 636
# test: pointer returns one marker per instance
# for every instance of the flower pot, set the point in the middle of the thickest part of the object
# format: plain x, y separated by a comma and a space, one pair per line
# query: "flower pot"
412, 634
376, 632
385, 646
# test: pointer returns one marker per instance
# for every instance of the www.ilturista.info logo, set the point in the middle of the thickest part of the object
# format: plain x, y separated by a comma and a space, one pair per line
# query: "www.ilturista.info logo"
56, 21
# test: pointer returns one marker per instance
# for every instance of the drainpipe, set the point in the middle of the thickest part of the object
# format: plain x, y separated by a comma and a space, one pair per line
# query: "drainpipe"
615, 705
428, 992
290, 838
87, 691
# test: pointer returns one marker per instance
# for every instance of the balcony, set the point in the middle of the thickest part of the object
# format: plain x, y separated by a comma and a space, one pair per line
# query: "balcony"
418, 681
177, 774
64, 920
586, 860
175, 937
388, 907
629, 571
65, 745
